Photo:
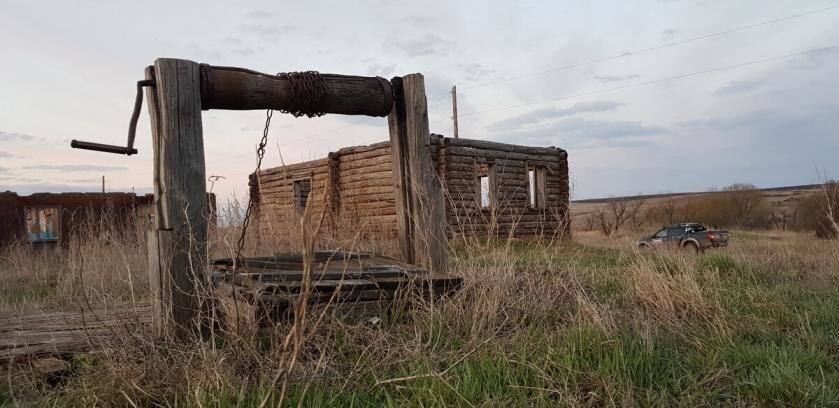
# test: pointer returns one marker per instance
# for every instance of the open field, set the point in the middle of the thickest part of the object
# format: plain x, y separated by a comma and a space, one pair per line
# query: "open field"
589, 322
780, 200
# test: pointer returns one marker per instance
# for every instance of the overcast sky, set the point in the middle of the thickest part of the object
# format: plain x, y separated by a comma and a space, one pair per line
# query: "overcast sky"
69, 67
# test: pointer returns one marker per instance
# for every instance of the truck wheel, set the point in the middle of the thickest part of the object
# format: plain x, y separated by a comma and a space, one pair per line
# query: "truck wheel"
690, 246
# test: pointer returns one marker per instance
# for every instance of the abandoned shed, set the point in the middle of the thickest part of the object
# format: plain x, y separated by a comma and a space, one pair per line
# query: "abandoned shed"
46, 218
489, 188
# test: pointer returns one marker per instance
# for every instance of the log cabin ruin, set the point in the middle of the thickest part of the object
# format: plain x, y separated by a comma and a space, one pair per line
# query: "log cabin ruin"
489, 189
46, 219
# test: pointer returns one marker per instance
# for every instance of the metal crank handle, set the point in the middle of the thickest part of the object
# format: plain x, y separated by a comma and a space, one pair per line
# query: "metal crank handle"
128, 149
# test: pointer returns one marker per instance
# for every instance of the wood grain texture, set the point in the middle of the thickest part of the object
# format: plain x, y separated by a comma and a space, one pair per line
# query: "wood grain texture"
397, 127
363, 170
243, 89
427, 209
33, 335
180, 190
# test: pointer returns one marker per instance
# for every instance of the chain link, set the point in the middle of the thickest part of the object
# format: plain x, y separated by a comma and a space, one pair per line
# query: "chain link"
260, 153
308, 93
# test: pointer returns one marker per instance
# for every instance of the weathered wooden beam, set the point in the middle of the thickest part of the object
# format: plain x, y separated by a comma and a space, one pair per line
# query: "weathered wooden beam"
421, 217
401, 175
504, 147
243, 89
178, 246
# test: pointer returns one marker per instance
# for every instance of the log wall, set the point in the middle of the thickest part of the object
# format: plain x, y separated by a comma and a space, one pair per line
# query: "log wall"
355, 187
462, 161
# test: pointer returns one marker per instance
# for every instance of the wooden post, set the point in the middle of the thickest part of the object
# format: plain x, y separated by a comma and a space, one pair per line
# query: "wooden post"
454, 109
420, 208
178, 245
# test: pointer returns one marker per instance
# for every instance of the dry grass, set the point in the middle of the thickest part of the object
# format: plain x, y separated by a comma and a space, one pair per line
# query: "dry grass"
589, 322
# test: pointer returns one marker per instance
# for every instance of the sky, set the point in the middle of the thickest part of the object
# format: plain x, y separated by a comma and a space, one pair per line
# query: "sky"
646, 96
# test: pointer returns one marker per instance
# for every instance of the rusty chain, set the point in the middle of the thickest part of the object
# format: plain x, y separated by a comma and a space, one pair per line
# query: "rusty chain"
308, 93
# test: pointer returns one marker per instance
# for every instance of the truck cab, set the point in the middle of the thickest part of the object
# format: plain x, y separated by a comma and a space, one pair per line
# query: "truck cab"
691, 236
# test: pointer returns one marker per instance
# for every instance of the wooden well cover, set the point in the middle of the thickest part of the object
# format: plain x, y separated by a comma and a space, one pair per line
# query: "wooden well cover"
338, 277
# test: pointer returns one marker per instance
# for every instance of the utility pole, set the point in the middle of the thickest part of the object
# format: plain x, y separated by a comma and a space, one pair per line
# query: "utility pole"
454, 109
103, 184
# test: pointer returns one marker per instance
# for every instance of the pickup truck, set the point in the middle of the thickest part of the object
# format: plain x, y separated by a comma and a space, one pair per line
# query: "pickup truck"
690, 236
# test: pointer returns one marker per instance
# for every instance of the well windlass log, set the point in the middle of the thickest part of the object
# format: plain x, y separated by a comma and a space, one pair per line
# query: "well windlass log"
299, 93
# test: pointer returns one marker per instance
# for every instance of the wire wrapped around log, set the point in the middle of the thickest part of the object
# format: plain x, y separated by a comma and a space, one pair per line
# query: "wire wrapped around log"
298, 93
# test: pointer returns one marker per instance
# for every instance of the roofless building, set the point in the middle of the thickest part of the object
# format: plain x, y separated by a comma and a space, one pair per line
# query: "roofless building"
489, 189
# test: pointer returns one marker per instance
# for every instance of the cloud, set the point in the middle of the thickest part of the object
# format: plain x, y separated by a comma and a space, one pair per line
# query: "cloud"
668, 34
414, 47
85, 180
269, 32
816, 59
437, 88
15, 137
545, 114
723, 123
767, 147
5, 170
608, 130
74, 167
584, 133
419, 21
474, 71
379, 70
736, 87
257, 14
6, 155
615, 78
243, 51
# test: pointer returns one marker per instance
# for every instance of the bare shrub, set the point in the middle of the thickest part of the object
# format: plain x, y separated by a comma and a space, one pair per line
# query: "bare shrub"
738, 205
819, 212
619, 212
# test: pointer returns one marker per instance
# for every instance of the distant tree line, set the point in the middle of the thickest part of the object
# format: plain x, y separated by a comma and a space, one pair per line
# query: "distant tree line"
740, 206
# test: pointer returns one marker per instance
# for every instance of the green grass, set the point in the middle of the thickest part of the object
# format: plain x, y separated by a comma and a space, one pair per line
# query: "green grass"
21, 291
774, 341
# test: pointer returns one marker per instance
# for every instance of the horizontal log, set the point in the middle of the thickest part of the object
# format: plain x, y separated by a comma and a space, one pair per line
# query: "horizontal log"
359, 163
243, 89
507, 162
369, 197
374, 205
375, 147
487, 145
364, 191
369, 172
360, 218
268, 188
379, 182
352, 176
498, 155
317, 166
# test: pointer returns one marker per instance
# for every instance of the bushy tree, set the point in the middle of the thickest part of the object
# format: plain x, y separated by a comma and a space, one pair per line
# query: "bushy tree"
819, 212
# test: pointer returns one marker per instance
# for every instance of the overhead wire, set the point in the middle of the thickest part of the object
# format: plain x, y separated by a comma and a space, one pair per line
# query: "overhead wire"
654, 81
650, 49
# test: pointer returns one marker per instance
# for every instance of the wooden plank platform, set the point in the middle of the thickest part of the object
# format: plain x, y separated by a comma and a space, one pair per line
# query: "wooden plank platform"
272, 283
30, 335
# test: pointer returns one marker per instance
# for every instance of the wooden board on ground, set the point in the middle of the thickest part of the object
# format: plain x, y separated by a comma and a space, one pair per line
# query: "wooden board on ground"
40, 334
274, 283
343, 279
